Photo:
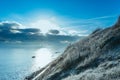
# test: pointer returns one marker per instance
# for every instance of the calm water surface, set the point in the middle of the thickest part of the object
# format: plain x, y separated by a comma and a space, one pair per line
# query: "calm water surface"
16, 63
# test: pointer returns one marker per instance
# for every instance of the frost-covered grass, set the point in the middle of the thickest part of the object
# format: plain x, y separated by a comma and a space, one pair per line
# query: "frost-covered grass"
100, 73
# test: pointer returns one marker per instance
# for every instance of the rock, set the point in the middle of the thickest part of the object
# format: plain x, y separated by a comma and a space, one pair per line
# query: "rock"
33, 56
57, 52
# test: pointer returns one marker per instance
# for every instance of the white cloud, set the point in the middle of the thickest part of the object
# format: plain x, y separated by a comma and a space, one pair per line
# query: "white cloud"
65, 42
86, 26
103, 17
75, 32
15, 31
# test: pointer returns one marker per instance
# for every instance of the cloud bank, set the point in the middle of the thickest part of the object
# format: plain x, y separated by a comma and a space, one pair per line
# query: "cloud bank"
12, 32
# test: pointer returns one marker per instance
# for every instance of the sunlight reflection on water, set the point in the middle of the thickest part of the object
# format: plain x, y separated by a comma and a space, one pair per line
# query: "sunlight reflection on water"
15, 64
42, 57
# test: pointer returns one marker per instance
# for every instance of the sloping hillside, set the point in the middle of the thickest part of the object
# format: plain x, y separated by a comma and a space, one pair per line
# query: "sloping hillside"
96, 57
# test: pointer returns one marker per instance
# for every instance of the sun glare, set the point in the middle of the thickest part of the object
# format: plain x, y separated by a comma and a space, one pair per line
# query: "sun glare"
45, 25
43, 57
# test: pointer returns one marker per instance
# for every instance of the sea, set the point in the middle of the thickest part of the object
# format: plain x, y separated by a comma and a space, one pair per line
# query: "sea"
20, 60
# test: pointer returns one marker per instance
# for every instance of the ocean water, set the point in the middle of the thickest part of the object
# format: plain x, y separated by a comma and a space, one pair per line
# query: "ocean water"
17, 62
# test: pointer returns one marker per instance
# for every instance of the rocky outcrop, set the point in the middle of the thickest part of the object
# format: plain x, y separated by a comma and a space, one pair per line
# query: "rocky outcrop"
96, 57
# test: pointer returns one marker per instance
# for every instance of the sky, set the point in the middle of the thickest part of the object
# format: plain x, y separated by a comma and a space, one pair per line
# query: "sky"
81, 16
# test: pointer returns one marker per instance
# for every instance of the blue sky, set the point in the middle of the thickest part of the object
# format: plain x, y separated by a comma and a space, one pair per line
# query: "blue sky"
77, 14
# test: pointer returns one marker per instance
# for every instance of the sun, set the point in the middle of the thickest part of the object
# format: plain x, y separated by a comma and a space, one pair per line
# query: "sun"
45, 25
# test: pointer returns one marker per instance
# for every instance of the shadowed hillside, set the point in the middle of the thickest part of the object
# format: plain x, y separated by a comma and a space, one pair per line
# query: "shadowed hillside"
96, 57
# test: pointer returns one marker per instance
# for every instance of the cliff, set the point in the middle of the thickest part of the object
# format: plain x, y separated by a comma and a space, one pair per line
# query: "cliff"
96, 57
